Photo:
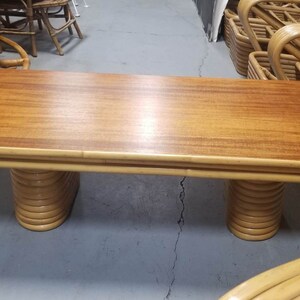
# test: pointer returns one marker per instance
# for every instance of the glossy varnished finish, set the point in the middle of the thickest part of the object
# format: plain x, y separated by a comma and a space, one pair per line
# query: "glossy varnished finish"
236, 129
222, 128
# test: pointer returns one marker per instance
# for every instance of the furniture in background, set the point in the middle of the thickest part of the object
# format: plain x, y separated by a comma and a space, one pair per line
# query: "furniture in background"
43, 9
248, 38
249, 26
239, 43
23, 60
75, 4
24, 25
274, 13
282, 282
274, 64
18, 17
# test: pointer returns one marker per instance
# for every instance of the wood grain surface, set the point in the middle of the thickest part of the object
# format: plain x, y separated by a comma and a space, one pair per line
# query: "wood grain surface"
226, 128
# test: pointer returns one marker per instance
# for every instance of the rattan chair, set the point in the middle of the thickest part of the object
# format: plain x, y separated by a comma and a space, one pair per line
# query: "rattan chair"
228, 14
22, 24
23, 62
240, 45
44, 9
41, 10
282, 282
268, 11
274, 64
247, 34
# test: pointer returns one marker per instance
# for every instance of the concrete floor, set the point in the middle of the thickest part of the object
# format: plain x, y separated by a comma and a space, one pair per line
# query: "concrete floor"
122, 240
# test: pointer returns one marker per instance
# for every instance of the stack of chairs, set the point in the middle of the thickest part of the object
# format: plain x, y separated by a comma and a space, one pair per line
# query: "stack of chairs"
237, 40
274, 64
249, 28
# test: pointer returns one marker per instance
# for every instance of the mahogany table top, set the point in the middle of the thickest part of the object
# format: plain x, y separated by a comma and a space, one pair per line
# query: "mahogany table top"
89, 121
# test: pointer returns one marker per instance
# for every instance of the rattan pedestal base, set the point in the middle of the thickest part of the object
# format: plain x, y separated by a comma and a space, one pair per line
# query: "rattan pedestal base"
43, 199
254, 209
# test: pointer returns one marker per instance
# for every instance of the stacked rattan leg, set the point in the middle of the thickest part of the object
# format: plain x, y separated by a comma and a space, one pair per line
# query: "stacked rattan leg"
43, 199
254, 209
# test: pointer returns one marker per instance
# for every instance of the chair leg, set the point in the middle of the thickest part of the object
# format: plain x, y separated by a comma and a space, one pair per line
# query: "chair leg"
32, 36
70, 19
67, 18
43, 199
51, 31
75, 22
85, 4
33, 45
40, 24
7, 19
77, 14
254, 209
78, 30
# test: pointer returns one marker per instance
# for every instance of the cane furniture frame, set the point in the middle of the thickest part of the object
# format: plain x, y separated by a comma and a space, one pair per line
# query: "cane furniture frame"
23, 60
247, 131
282, 282
274, 64
29, 11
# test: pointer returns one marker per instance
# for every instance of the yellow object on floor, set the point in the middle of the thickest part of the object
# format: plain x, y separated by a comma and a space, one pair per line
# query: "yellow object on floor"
282, 282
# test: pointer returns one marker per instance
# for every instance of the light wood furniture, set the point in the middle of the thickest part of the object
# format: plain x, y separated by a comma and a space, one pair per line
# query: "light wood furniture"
283, 37
274, 64
263, 10
43, 199
282, 282
247, 131
24, 25
252, 29
41, 10
239, 44
23, 60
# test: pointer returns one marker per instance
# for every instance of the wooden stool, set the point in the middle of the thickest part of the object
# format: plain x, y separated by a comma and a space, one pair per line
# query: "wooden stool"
43, 199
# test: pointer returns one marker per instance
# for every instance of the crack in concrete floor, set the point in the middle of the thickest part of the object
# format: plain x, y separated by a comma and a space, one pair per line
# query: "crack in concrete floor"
180, 223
